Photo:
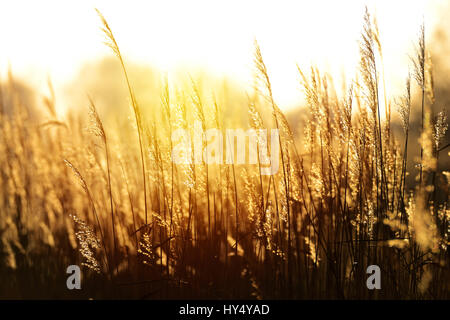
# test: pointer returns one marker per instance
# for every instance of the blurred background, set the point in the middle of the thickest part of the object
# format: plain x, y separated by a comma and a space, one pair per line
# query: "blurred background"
63, 41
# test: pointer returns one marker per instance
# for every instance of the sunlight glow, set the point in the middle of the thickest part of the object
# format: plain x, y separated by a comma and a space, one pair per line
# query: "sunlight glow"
54, 38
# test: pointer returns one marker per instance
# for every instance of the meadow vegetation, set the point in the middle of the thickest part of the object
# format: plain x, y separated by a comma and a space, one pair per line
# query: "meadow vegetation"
102, 192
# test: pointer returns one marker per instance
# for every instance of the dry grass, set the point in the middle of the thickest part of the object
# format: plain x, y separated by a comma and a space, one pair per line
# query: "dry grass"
144, 227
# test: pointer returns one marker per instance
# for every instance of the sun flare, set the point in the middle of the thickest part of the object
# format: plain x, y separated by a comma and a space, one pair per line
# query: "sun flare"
57, 38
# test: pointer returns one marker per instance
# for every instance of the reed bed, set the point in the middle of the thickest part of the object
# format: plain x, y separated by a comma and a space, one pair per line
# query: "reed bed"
142, 226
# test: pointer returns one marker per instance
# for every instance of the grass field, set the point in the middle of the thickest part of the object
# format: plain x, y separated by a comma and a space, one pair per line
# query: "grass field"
101, 191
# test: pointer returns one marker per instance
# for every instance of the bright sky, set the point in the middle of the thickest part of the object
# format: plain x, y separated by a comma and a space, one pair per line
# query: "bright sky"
53, 38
